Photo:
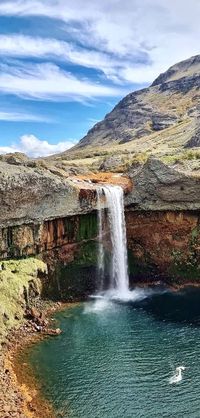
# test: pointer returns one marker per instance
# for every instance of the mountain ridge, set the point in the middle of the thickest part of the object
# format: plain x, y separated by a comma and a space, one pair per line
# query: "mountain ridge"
161, 120
171, 98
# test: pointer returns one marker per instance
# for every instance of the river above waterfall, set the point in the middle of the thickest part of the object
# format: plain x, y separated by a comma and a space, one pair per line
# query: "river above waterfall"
116, 360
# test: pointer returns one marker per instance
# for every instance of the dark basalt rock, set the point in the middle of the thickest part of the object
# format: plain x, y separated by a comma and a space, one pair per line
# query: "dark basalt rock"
194, 142
182, 66
183, 85
160, 121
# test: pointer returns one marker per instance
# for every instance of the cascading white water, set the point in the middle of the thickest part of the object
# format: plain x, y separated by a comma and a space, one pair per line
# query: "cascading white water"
114, 202
101, 248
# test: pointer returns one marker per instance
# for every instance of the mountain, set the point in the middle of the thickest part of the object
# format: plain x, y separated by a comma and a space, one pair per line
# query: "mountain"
172, 99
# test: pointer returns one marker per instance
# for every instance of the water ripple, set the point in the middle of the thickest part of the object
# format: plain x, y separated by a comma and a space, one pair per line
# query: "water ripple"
115, 360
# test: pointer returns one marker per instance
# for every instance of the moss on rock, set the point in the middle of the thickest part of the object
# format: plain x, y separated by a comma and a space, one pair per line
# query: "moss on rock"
16, 276
88, 227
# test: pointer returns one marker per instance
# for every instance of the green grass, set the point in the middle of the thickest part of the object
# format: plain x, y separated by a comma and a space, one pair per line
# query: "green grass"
191, 155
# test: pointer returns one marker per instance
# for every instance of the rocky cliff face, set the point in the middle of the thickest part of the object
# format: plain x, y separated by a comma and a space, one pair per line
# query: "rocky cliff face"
164, 243
67, 245
41, 237
48, 214
171, 99
36, 195
160, 244
160, 187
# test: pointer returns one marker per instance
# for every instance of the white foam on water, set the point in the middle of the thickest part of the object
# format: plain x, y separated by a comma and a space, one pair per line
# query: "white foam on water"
106, 301
134, 295
98, 305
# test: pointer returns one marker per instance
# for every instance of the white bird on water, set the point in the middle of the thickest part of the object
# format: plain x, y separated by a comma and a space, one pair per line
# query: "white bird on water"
177, 376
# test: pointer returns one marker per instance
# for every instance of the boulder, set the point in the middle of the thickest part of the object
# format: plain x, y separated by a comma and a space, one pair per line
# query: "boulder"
111, 163
160, 187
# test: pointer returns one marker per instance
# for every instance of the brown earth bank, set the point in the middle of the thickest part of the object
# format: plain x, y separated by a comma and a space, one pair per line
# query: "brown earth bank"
20, 395
103, 178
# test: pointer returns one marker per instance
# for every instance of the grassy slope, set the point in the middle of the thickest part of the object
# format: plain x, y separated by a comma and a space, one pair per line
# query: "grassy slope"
167, 145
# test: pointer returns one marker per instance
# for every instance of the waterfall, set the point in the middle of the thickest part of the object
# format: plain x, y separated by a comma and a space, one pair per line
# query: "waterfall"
101, 255
114, 203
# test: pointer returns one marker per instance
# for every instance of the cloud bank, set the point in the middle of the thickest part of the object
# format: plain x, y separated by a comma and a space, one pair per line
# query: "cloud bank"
112, 65
47, 81
88, 54
142, 38
34, 147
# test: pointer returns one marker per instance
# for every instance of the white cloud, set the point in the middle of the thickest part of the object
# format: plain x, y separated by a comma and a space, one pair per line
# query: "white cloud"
23, 46
130, 41
48, 82
34, 147
21, 117
14, 45
167, 31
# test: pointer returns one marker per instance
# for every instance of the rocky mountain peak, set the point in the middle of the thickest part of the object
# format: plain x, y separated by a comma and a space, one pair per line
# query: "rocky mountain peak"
186, 68
172, 99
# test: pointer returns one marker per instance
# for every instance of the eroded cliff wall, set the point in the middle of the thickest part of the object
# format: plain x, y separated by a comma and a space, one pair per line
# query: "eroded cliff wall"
68, 246
61, 234
164, 244
161, 244
46, 214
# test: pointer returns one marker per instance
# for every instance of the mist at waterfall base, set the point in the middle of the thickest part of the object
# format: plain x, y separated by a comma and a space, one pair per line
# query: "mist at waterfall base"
116, 360
120, 351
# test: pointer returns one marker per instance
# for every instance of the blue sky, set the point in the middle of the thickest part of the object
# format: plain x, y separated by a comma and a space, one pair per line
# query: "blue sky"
64, 64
